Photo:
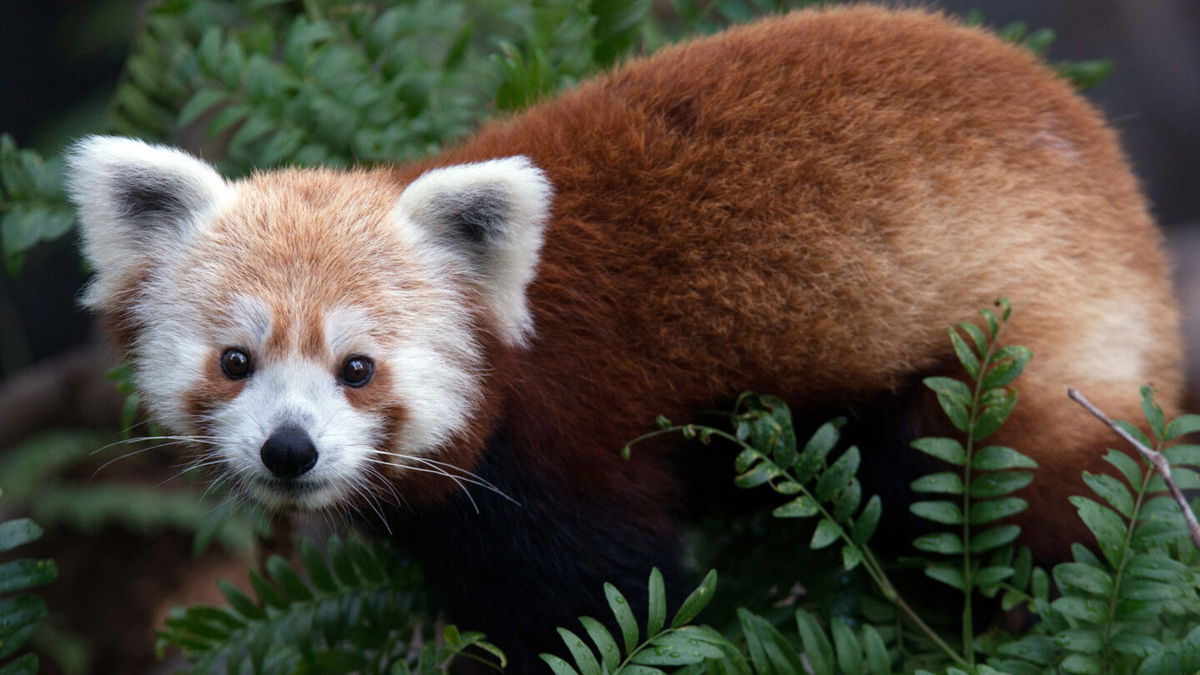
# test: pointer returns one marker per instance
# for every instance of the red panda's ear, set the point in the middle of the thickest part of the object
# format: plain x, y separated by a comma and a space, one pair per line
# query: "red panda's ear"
493, 213
136, 203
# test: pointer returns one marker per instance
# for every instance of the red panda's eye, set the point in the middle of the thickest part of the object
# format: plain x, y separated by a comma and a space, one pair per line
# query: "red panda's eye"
235, 363
357, 371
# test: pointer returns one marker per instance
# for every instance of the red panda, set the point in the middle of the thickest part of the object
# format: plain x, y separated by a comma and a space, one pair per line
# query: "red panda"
799, 206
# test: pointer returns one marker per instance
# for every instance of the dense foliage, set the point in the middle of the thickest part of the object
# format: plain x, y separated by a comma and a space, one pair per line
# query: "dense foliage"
21, 613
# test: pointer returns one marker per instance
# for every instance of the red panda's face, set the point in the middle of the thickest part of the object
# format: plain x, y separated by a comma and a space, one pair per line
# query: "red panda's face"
315, 332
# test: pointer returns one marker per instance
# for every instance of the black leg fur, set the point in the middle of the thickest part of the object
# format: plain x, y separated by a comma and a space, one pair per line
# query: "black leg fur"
518, 571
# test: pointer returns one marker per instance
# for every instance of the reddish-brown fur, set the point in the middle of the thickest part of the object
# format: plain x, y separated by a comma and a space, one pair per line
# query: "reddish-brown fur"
800, 206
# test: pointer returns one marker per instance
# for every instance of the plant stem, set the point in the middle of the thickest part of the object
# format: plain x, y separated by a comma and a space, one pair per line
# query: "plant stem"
869, 562
1110, 613
968, 619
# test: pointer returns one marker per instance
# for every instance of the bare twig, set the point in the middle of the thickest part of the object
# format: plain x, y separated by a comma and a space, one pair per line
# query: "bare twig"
1160, 463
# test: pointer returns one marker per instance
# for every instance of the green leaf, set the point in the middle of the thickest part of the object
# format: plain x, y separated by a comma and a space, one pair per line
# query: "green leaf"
983, 512
1086, 74
265, 592
746, 459
200, 103
584, 658
954, 397
846, 501
826, 533
1134, 644
1083, 664
997, 405
851, 557
226, 118
1183, 454
1105, 524
947, 575
762, 472
697, 601
657, 595
976, 334
1159, 567
1153, 413
341, 562
317, 570
992, 324
1185, 479
947, 513
14, 533
337, 662
1135, 432
999, 483
838, 475
1006, 365
990, 576
800, 507
557, 665
1081, 640
946, 543
867, 521
690, 644
19, 617
968, 359
879, 662
610, 653
942, 483
1084, 609
255, 127
816, 646
945, 449
849, 652
1182, 426
1112, 490
624, 615
997, 457
1151, 590
1036, 648
238, 600
994, 538
1126, 465
288, 580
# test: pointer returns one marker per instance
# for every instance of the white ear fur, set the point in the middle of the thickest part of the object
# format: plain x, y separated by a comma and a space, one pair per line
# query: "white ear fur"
136, 201
495, 213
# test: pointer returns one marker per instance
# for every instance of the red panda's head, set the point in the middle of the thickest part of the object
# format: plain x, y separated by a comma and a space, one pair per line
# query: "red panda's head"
316, 331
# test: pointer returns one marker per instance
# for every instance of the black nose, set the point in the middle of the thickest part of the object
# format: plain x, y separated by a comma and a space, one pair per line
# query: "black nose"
289, 452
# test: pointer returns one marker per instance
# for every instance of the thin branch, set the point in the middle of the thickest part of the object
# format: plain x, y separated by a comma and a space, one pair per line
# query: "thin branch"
1160, 463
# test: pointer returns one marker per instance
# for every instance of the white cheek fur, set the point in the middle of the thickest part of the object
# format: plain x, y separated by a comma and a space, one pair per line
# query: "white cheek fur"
305, 394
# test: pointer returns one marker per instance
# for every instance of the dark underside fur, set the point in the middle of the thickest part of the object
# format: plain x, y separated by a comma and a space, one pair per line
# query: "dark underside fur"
519, 570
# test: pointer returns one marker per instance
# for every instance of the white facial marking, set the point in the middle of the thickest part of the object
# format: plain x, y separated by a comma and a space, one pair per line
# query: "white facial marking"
509, 201
349, 330
303, 393
248, 325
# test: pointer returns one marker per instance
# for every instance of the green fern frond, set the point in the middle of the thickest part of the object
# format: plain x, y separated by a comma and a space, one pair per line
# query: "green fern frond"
33, 206
674, 645
20, 614
353, 607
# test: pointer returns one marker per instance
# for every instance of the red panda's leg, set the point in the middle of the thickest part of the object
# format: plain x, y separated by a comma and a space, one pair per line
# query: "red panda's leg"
517, 570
